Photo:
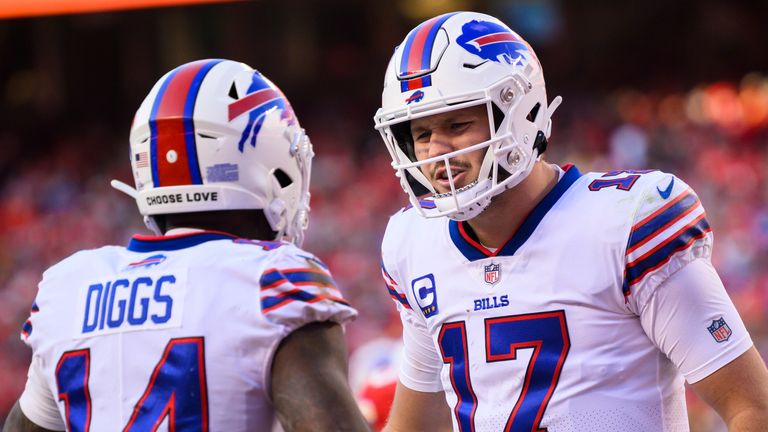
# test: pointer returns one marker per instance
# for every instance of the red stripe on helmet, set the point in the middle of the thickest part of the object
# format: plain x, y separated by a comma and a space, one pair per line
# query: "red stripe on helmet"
496, 37
170, 128
252, 101
417, 47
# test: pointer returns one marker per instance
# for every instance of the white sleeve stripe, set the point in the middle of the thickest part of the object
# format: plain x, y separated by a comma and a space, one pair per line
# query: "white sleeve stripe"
665, 233
663, 253
685, 193
288, 287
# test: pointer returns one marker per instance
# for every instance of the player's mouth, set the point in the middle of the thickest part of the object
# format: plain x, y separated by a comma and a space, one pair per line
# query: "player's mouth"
458, 190
441, 178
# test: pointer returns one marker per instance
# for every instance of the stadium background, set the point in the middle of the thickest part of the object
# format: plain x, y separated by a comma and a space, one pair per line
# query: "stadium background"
680, 86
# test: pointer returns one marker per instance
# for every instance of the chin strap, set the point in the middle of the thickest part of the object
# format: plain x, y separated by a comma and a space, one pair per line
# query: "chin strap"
129, 190
551, 110
540, 143
125, 188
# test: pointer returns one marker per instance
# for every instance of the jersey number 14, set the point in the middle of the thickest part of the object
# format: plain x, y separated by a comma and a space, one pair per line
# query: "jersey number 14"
176, 390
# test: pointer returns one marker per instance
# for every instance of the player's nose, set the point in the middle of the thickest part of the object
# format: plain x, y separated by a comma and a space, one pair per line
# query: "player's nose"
439, 144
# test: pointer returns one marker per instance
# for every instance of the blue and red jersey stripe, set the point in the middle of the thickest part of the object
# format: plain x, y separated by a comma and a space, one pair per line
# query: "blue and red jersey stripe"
392, 288
417, 53
661, 254
298, 276
172, 127
270, 303
662, 219
26, 329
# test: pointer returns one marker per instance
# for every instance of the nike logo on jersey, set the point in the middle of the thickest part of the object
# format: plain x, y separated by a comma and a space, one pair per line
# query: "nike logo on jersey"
665, 193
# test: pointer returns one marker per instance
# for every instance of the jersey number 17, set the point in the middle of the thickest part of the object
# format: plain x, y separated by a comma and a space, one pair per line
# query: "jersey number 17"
545, 332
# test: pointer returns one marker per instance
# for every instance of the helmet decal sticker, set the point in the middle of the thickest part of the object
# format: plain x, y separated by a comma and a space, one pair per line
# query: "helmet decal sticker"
490, 41
225, 172
260, 99
417, 96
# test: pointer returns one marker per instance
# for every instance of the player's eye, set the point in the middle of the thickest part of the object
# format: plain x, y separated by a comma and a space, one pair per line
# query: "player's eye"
421, 136
460, 125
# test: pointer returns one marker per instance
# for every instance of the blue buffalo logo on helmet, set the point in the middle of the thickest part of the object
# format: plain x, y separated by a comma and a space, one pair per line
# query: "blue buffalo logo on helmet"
417, 96
261, 97
494, 42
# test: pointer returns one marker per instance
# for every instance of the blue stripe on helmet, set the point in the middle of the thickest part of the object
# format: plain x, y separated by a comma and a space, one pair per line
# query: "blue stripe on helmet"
189, 126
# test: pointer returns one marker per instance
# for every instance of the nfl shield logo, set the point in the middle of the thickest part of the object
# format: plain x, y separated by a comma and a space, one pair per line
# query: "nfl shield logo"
492, 273
720, 330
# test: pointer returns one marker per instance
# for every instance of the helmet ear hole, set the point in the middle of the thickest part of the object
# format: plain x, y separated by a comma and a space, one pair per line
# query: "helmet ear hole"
418, 188
402, 134
275, 214
498, 117
282, 178
533, 114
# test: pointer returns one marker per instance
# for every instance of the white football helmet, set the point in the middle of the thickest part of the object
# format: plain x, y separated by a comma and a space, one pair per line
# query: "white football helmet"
455, 61
218, 135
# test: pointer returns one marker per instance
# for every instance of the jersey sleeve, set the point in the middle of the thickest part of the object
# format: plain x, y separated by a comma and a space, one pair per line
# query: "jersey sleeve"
27, 329
297, 288
421, 364
671, 284
693, 321
669, 230
37, 402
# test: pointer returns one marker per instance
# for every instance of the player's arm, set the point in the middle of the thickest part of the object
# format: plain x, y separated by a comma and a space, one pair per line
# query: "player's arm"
414, 411
36, 410
723, 367
18, 422
309, 382
419, 403
738, 392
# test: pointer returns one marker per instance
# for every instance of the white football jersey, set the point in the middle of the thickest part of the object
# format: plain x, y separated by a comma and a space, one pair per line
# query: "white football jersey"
171, 333
567, 327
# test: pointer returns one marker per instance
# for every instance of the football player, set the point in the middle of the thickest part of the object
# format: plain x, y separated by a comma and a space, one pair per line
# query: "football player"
533, 296
220, 321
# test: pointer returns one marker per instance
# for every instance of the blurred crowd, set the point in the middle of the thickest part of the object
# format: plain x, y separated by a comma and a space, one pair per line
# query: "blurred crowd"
713, 136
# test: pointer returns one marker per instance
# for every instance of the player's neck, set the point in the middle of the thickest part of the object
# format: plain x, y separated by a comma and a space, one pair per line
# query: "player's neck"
251, 224
508, 210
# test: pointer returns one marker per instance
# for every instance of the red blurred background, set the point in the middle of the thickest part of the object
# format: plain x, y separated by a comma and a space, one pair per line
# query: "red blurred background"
679, 86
